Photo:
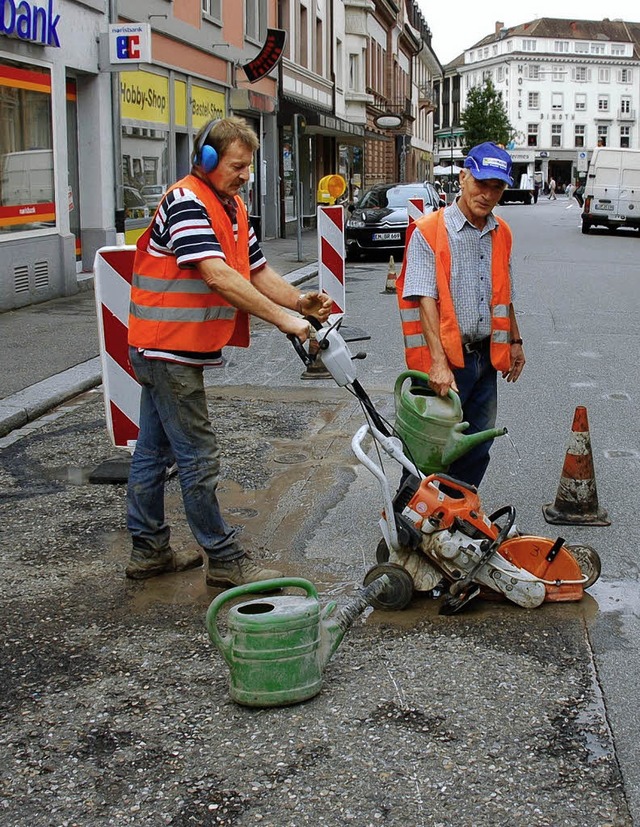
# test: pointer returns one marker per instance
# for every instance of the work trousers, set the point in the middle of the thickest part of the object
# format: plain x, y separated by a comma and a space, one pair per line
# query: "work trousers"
478, 390
175, 426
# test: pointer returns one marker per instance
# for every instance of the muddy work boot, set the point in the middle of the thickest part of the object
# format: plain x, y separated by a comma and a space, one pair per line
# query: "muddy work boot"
226, 573
149, 563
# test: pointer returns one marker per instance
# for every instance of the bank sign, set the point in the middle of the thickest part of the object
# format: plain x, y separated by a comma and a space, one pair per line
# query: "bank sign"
129, 43
26, 21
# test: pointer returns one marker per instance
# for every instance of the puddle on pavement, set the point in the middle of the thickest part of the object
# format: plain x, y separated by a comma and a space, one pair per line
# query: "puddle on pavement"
621, 596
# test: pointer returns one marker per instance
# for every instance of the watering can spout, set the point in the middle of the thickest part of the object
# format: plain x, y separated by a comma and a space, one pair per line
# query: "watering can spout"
334, 629
459, 444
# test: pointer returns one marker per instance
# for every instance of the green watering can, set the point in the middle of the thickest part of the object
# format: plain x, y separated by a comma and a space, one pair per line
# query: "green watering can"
277, 647
430, 426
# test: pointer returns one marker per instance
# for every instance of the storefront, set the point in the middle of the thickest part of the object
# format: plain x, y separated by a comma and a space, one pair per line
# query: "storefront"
52, 104
326, 145
160, 112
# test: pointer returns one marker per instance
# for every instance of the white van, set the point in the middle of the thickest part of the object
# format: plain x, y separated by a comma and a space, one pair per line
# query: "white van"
612, 189
27, 177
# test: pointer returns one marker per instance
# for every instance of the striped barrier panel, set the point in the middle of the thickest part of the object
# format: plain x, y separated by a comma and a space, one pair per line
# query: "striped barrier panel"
331, 253
113, 268
415, 209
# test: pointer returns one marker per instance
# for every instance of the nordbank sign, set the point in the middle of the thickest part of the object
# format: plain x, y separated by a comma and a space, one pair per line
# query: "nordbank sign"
27, 21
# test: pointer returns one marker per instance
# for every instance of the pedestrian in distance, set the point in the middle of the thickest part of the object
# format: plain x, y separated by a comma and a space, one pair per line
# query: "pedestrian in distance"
455, 294
198, 274
552, 190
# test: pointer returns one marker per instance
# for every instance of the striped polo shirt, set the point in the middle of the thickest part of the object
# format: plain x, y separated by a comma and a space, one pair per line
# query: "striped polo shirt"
182, 228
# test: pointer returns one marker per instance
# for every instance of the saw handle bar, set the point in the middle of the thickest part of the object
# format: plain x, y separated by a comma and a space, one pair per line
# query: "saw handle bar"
297, 344
504, 531
487, 547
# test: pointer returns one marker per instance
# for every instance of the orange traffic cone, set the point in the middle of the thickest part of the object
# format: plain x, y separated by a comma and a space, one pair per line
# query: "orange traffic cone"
390, 285
576, 502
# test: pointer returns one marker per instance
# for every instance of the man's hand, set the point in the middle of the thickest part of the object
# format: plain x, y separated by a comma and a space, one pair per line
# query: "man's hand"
293, 326
517, 363
441, 379
315, 304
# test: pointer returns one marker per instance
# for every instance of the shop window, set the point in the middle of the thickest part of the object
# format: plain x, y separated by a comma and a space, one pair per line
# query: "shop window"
27, 195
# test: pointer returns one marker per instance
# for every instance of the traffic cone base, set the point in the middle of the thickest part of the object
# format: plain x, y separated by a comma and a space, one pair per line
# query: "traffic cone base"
390, 285
576, 501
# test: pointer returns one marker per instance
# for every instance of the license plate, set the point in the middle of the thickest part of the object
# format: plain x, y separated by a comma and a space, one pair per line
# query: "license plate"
604, 206
386, 236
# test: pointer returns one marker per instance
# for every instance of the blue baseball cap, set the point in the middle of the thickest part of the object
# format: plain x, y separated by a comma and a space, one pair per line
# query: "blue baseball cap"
488, 160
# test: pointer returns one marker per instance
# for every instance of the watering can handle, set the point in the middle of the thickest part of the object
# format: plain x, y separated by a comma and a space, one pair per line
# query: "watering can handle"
250, 588
417, 374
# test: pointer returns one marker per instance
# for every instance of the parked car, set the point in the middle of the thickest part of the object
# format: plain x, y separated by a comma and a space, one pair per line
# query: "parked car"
378, 221
152, 193
134, 204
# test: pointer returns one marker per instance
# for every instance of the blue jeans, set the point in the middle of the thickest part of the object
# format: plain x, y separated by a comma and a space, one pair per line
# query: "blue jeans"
478, 389
174, 425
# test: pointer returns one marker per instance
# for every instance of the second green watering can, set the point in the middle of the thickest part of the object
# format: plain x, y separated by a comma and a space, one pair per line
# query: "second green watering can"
430, 426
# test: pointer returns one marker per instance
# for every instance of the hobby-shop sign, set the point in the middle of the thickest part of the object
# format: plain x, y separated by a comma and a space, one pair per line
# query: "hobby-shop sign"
27, 21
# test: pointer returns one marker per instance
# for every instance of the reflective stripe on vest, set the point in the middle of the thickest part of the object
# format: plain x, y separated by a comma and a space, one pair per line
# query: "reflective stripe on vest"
417, 353
181, 314
173, 308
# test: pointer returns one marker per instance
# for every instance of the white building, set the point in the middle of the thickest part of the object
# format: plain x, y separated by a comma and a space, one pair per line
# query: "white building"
568, 86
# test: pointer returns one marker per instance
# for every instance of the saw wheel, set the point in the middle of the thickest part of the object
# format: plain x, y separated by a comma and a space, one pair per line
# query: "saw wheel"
589, 561
398, 593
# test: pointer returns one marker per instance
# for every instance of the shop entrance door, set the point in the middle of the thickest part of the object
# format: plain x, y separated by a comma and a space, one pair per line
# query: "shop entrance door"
73, 182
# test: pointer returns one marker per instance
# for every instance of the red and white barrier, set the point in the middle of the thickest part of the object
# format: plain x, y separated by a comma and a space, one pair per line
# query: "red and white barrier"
113, 268
415, 209
331, 253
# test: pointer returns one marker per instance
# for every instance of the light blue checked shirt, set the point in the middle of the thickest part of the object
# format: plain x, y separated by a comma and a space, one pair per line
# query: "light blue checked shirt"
470, 272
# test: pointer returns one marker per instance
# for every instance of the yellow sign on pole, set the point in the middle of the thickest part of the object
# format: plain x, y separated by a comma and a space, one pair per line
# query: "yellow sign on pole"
144, 97
206, 105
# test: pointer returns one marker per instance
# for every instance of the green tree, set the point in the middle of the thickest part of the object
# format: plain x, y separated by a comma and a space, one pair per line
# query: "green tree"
485, 118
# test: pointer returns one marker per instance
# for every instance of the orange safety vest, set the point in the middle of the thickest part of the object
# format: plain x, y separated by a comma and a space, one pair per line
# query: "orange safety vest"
417, 353
173, 308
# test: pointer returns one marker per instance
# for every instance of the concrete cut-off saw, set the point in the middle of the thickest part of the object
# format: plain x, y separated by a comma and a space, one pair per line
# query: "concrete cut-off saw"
435, 536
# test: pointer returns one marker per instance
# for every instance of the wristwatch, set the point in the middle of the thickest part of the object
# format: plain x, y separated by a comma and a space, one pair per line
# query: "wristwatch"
515, 342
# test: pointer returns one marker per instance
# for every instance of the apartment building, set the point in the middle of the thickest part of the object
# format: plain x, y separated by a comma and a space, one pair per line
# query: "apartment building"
568, 86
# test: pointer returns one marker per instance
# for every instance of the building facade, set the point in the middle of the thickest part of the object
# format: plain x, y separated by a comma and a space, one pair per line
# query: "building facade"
568, 86
56, 181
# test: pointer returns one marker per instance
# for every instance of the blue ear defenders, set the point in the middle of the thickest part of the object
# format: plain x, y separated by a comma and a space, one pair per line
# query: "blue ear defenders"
206, 156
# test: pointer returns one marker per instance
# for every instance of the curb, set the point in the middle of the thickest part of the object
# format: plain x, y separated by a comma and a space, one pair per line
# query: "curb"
23, 407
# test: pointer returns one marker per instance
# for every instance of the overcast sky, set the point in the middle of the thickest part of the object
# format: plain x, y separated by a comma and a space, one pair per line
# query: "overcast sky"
455, 28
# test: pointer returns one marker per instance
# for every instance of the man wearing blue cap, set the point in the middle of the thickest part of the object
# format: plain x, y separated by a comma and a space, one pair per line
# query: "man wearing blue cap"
455, 297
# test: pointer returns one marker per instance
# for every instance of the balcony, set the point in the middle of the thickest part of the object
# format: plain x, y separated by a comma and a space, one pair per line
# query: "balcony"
627, 115
426, 98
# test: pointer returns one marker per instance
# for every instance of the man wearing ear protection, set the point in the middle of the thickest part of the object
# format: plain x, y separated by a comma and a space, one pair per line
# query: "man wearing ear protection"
198, 274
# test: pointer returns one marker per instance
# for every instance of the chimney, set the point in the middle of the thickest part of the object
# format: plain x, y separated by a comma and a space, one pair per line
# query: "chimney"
499, 26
